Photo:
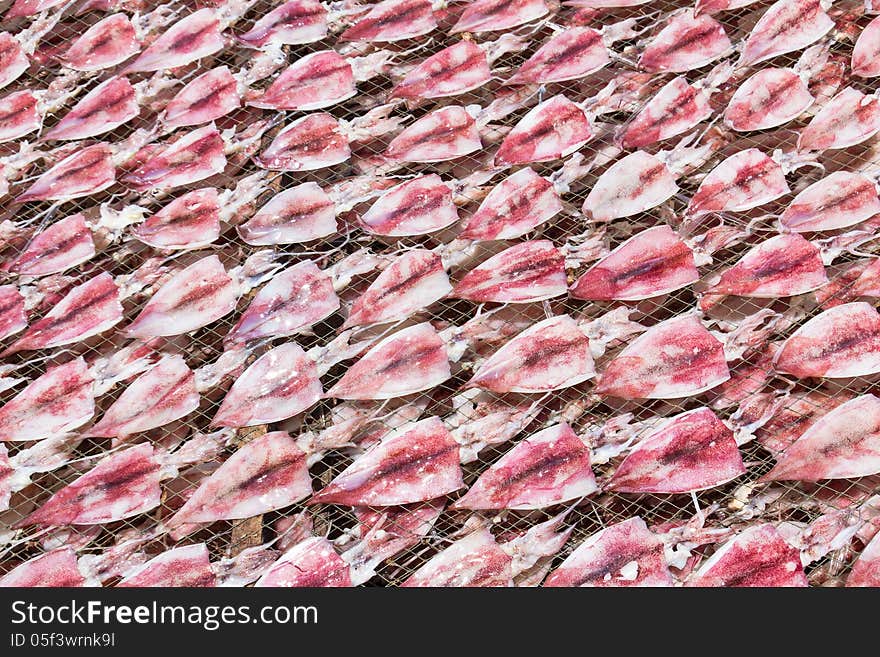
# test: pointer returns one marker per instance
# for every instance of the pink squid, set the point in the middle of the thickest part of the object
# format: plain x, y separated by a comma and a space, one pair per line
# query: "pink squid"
105, 44
55, 403
414, 281
295, 299
164, 393
552, 354
686, 42
407, 361
673, 359
786, 26
546, 468
842, 444
84, 172
62, 245
843, 341
515, 206
268, 473
298, 214
414, 463
839, 200
88, 309
280, 384
550, 131
196, 296
415, 207
526, 272
689, 452
623, 554
444, 134
651, 263
494, 15
294, 22
759, 556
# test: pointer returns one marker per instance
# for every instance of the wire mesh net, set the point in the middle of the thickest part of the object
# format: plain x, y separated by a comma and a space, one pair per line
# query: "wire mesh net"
797, 502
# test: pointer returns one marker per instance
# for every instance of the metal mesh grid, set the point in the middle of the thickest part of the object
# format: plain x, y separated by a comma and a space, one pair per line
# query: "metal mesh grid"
799, 501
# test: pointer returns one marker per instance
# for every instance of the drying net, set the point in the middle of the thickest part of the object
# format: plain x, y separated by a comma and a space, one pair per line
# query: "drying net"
797, 502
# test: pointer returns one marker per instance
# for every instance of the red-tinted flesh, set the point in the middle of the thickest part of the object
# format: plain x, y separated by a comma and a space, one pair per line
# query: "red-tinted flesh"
295, 299
85, 172
196, 296
690, 452
571, 54
56, 568
19, 115
757, 557
675, 109
211, 95
515, 206
62, 245
105, 108
444, 134
494, 15
189, 221
686, 42
164, 393
197, 155
782, 266
107, 43
550, 355
607, 557
121, 485
866, 570
839, 200
405, 362
841, 342
743, 181
415, 463
716, 6
549, 467
416, 207
13, 61
653, 262
88, 309
29, 8
842, 444
313, 562
473, 561
454, 70
801, 411
313, 142
393, 20
294, 22
56, 402
676, 358
189, 39
553, 129
13, 316
769, 98
788, 25
412, 282
318, 80
849, 118
866, 52
298, 214
278, 385
268, 473
526, 272
188, 566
